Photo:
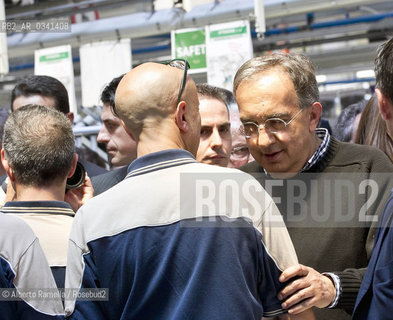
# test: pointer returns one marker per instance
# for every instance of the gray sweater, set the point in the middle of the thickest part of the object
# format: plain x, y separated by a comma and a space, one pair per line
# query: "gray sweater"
325, 210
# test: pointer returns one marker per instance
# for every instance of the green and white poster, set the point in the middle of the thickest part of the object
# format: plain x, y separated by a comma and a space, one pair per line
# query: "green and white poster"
228, 46
57, 63
190, 44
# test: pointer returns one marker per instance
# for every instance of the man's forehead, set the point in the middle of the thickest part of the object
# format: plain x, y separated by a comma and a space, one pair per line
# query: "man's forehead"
209, 107
209, 123
107, 113
265, 113
238, 139
33, 99
268, 106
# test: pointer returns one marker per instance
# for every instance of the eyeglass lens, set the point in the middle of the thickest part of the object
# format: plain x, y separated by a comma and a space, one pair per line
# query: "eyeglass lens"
271, 125
274, 125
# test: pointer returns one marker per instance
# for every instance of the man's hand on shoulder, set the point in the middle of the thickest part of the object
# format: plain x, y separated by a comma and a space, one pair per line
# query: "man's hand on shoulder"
309, 289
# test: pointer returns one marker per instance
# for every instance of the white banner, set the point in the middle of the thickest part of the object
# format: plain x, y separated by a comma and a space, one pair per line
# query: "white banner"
57, 63
101, 62
228, 46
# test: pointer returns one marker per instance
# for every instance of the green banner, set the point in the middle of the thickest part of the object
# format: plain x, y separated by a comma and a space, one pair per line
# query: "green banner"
54, 56
228, 32
191, 46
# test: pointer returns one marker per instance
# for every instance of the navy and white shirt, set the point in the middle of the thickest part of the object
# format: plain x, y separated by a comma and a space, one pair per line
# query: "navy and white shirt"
168, 243
51, 222
23, 267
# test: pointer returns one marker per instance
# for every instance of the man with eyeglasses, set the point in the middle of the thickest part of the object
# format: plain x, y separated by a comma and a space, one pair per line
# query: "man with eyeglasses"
216, 140
240, 154
327, 191
150, 241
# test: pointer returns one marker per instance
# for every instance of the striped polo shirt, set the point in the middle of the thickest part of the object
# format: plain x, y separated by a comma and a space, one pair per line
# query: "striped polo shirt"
178, 239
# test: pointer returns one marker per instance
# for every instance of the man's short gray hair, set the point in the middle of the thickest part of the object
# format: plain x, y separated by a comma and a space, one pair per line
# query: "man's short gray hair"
298, 67
39, 145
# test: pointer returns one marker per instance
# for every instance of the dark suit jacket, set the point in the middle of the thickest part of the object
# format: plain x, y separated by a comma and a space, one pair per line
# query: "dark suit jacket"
107, 180
375, 295
91, 168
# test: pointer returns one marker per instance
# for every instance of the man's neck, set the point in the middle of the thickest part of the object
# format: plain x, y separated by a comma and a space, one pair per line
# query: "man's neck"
50, 193
148, 144
316, 143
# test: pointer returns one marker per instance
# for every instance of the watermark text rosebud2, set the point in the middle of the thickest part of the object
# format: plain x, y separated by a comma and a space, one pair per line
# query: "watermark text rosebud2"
336, 200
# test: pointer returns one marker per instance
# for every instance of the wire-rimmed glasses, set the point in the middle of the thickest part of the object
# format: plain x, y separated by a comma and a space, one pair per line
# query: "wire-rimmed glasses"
272, 125
240, 152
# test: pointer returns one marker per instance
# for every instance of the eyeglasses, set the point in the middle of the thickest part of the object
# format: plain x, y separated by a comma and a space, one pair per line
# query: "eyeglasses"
272, 125
181, 64
240, 152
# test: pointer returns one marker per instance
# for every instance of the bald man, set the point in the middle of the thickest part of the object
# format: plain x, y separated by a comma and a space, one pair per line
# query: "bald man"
148, 240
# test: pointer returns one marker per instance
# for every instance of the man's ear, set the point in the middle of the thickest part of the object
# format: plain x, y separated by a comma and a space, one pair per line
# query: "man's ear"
181, 118
315, 115
6, 165
74, 162
70, 116
384, 106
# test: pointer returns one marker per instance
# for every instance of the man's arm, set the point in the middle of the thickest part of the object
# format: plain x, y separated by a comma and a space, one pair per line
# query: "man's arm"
284, 254
80, 275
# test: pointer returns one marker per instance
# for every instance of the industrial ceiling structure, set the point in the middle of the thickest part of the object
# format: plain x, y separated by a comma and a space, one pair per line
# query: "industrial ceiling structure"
340, 36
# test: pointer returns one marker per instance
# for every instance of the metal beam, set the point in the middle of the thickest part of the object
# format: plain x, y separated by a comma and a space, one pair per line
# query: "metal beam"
53, 9
283, 9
